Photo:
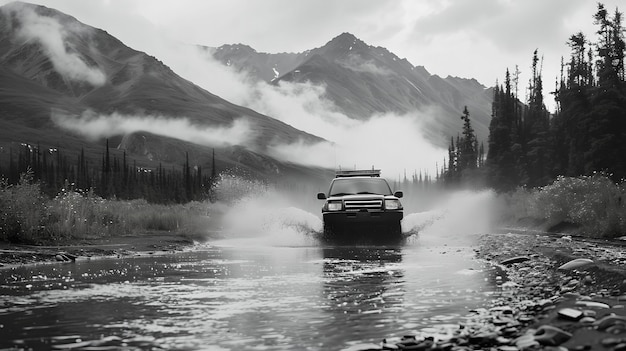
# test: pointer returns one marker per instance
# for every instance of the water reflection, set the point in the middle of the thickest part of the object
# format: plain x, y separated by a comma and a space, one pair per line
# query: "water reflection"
240, 297
364, 289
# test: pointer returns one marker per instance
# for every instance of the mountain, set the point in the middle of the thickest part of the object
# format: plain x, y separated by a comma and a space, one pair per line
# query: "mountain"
364, 80
54, 67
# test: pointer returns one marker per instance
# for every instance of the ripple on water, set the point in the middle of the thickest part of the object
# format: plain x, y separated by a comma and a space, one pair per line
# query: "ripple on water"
230, 297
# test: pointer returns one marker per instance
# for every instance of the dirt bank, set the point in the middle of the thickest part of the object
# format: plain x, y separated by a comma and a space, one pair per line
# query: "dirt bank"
124, 245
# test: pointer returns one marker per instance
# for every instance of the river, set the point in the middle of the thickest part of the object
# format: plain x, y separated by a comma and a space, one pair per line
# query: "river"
247, 294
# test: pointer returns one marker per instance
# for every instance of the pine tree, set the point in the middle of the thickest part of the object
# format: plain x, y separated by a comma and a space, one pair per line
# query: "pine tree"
536, 132
467, 147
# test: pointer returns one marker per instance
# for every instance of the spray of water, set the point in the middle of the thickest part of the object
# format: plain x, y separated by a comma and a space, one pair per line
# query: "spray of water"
455, 220
255, 213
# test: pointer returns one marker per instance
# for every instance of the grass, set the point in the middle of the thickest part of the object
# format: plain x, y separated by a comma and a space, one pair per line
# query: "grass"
27, 216
594, 205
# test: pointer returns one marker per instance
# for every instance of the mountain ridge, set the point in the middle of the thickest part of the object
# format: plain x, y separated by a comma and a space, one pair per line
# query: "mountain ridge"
364, 80
51, 63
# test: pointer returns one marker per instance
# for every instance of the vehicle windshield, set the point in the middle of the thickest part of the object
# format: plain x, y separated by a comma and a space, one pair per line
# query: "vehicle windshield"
351, 186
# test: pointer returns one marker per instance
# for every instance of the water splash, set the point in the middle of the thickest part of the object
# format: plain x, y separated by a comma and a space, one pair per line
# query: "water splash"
255, 213
261, 215
455, 220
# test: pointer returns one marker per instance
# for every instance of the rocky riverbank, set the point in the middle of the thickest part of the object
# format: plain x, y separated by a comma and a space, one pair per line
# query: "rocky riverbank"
557, 293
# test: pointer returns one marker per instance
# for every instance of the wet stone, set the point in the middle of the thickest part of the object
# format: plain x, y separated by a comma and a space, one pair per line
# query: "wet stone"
526, 342
503, 341
587, 320
508, 348
513, 260
617, 329
484, 339
608, 321
388, 346
592, 304
570, 313
551, 336
576, 264
611, 341
590, 313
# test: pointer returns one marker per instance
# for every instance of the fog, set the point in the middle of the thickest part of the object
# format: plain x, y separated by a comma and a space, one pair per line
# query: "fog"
394, 143
51, 34
96, 126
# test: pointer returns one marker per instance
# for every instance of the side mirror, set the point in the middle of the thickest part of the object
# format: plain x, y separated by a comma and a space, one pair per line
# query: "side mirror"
321, 196
398, 194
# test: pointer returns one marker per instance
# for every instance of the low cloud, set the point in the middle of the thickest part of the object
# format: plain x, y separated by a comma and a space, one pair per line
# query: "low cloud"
395, 143
94, 126
52, 35
357, 64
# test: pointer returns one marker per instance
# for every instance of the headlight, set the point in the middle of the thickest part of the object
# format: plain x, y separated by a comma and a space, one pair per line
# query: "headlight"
393, 204
334, 206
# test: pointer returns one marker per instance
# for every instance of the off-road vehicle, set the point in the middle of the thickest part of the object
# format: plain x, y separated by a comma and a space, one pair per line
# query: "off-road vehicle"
360, 206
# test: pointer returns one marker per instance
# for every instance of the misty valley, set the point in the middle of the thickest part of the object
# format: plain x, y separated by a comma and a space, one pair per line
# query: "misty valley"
163, 195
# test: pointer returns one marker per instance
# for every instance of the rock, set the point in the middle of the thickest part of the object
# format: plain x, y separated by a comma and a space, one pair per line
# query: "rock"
590, 313
508, 348
502, 321
70, 256
551, 336
388, 346
570, 313
363, 347
513, 260
60, 258
610, 320
618, 328
587, 320
484, 338
503, 341
592, 304
575, 264
610, 342
525, 342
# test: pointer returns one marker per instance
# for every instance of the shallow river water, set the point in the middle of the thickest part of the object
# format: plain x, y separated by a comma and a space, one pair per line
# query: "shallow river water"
277, 290
232, 296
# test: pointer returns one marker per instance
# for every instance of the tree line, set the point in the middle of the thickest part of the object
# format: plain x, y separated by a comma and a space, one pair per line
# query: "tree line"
529, 147
113, 177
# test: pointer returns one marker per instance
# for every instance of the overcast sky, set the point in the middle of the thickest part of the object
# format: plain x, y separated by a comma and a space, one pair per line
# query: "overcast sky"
465, 38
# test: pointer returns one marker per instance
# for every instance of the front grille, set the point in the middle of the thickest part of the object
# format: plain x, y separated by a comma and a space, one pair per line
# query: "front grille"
356, 205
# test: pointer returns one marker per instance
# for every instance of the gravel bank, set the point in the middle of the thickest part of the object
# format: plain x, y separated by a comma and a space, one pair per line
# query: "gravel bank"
558, 293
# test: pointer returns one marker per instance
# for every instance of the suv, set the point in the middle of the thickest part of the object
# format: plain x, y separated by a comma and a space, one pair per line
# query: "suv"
360, 203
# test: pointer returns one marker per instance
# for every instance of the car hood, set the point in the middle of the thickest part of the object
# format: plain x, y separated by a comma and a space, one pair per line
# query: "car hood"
363, 197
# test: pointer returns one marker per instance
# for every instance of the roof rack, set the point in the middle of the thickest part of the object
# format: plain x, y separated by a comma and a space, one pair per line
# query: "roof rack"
358, 173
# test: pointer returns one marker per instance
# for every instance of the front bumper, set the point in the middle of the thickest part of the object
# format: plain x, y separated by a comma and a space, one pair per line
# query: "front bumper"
362, 217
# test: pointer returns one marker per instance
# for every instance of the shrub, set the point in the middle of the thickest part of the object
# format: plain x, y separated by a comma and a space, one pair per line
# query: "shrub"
23, 210
592, 203
27, 216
